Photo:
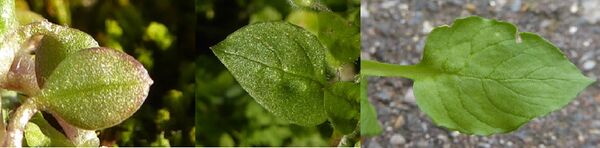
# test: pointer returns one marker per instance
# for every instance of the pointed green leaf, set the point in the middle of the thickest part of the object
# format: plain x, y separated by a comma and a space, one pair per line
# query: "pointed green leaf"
95, 88
486, 78
282, 66
342, 106
369, 125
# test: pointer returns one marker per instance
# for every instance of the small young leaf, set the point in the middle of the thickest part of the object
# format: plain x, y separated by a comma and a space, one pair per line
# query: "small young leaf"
341, 38
369, 125
95, 88
38, 132
483, 80
280, 65
342, 106
58, 42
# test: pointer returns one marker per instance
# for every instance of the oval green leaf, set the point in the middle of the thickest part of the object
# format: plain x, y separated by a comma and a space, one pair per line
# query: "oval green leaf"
280, 65
484, 80
95, 88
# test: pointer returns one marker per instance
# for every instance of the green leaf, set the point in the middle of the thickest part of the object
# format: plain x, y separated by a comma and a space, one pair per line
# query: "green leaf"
369, 125
95, 88
341, 37
477, 77
38, 132
58, 43
342, 106
280, 65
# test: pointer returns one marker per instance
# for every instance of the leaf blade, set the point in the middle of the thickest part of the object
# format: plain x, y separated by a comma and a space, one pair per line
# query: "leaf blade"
488, 82
281, 66
95, 88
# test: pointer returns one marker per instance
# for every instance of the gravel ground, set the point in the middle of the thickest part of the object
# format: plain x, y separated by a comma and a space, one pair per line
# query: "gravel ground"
394, 31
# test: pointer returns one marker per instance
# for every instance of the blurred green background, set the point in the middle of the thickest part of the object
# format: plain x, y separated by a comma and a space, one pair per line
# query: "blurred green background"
160, 34
225, 114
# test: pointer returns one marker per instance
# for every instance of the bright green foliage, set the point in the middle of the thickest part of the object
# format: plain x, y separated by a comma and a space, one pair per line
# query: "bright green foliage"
341, 37
369, 126
477, 77
95, 88
281, 66
342, 106
159, 33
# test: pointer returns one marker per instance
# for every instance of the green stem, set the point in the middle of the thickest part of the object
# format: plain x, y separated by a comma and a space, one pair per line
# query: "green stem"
17, 123
350, 139
373, 68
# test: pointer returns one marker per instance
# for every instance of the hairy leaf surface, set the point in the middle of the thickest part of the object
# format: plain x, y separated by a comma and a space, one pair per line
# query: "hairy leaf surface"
282, 66
95, 88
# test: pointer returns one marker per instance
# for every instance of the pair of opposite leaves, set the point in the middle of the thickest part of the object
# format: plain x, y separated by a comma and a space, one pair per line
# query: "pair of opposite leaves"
69, 76
284, 68
477, 77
